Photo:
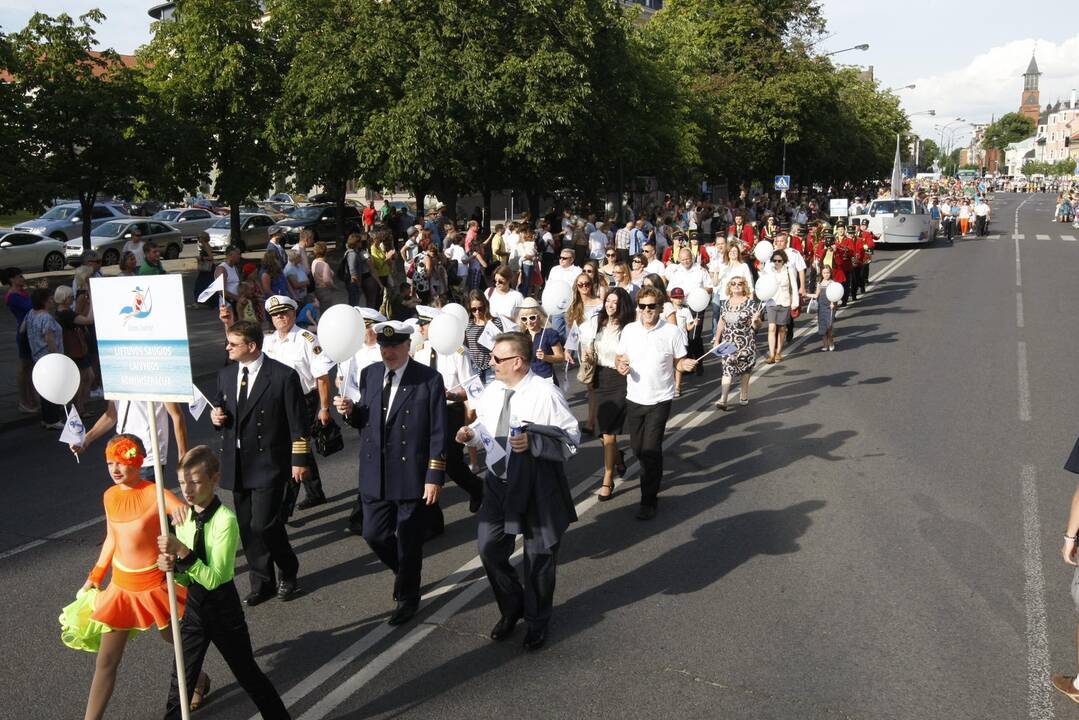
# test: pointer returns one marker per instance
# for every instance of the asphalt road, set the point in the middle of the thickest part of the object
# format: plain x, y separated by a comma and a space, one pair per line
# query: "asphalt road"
875, 536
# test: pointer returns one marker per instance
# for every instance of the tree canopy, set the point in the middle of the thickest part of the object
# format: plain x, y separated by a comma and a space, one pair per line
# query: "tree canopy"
1008, 129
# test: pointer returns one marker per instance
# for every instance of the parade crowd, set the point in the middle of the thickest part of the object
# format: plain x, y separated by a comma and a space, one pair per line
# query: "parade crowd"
647, 304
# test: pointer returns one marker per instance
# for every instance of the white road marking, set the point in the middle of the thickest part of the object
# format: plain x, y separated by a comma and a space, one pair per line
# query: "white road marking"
1024, 383
55, 536
1039, 703
1067, 238
339, 695
1043, 237
1019, 309
1017, 236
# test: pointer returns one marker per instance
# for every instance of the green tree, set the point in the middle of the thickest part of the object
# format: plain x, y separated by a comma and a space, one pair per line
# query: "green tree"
930, 152
215, 71
1008, 129
73, 110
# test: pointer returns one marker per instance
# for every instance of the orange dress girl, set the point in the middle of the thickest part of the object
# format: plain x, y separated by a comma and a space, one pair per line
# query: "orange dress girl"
137, 596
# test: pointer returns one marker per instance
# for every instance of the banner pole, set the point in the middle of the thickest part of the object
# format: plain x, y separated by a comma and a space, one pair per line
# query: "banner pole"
174, 612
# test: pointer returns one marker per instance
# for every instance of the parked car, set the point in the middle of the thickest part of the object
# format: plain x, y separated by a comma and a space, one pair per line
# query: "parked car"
109, 238
189, 221
320, 218
253, 232
290, 198
146, 208
64, 222
30, 251
215, 206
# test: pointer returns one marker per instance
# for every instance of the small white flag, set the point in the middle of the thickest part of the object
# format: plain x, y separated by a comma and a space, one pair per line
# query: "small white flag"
508, 325
74, 431
198, 403
217, 286
487, 337
473, 387
573, 338
349, 387
494, 451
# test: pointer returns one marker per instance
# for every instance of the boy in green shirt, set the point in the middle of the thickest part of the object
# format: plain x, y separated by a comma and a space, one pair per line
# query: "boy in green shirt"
203, 554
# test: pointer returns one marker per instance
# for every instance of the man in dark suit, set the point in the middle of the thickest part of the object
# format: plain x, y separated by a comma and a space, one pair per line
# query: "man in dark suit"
401, 417
263, 421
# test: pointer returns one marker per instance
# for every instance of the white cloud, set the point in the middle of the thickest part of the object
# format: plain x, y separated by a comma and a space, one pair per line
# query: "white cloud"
991, 83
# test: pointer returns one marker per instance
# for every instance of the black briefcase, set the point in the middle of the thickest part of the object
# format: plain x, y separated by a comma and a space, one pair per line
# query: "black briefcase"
327, 438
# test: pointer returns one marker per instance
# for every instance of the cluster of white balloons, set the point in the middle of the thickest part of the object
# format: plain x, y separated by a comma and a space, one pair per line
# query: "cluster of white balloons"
341, 331
56, 378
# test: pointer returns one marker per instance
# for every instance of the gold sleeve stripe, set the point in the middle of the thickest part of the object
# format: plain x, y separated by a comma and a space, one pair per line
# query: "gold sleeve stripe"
300, 447
436, 465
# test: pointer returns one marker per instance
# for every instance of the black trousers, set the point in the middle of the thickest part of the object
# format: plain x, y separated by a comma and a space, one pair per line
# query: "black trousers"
981, 225
948, 224
456, 467
219, 619
863, 277
312, 486
264, 537
850, 286
535, 598
646, 425
394, 529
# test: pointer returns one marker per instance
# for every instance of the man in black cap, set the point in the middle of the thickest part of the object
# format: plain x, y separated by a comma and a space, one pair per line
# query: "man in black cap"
401, 416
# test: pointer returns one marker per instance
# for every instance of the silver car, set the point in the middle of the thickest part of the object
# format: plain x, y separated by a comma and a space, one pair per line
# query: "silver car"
253, 232
109, 239
30, 252
64, 221
189, 221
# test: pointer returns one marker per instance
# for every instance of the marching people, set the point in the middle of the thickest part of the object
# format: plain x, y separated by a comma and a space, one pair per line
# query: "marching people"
137, 596
456, 371
825, 310
261, 415
599, 340
649, 350
526, 490
547, 346
401, 416
203, 554
778, 308
130, 417
865, 247
736, 323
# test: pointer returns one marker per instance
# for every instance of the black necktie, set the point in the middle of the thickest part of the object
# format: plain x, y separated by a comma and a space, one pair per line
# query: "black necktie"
200, 540
502, 431
241, 397
386, 395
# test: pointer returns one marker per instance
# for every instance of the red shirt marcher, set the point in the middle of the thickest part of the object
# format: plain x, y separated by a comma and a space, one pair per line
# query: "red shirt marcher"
369, 216
838, 274
866, 244
844, 253
745, 234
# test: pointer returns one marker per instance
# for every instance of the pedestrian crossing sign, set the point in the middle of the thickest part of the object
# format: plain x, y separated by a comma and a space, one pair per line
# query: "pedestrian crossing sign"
783, 182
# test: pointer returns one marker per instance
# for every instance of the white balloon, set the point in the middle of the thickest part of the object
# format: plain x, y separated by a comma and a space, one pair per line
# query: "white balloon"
56, 378
556, 297
446, 334
458, 311
763, 251
341, 331
698, 299
766, 287
834, 291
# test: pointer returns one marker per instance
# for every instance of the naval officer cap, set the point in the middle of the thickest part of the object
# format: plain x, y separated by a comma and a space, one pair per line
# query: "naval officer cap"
277, 304
370, 315
426, 313
393, 332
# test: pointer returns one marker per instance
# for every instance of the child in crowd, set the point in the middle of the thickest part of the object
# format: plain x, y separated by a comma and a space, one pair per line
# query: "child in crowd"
687, 323
203, 554
825, 310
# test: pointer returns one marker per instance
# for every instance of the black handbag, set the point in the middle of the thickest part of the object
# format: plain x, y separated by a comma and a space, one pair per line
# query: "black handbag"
327, 438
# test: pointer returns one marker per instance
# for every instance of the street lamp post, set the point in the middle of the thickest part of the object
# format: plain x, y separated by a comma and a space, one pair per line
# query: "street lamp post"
863, 47
905, 87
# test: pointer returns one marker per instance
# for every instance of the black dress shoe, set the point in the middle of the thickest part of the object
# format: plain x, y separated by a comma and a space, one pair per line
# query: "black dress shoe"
645, 512
504, 628
474, 503
257, 598
287, 589
310, 502
404, 612
535, 637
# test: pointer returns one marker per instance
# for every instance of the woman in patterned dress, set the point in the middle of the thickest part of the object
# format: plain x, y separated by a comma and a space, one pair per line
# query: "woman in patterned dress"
739, 318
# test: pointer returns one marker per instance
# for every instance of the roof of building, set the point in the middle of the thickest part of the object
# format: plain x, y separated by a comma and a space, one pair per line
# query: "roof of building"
127, 60
1032, 69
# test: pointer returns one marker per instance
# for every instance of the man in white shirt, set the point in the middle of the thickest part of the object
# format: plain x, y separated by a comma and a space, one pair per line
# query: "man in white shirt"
796, 262
686, 274
300, 350
526, 490
456, 370
649, 351
981, 217
653, 265
455, 251
597, 243
565, 271
134, 246
129, 416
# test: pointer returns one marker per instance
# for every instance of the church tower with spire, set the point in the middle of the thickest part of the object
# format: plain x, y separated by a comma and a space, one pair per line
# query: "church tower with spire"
1030, 103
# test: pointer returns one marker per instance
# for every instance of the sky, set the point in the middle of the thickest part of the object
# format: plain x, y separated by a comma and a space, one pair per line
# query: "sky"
965, 64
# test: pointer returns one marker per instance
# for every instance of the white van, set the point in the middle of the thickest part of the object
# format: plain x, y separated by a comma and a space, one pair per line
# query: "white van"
897, 220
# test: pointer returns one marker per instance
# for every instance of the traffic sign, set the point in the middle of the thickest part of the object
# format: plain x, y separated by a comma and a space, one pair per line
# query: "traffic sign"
783, 182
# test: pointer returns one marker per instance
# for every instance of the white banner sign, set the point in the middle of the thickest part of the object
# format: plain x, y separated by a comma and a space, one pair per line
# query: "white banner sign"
142, 337
838, 207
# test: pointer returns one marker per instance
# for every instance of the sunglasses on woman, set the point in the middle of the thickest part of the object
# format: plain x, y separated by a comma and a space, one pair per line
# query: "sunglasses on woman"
646, 306
477, 308
529, 318
584, 284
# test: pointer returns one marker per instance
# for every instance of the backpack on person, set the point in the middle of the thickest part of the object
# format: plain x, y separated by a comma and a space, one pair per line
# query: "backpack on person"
344, 270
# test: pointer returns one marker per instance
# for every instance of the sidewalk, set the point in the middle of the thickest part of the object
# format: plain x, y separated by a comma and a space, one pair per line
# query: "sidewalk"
203, 328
